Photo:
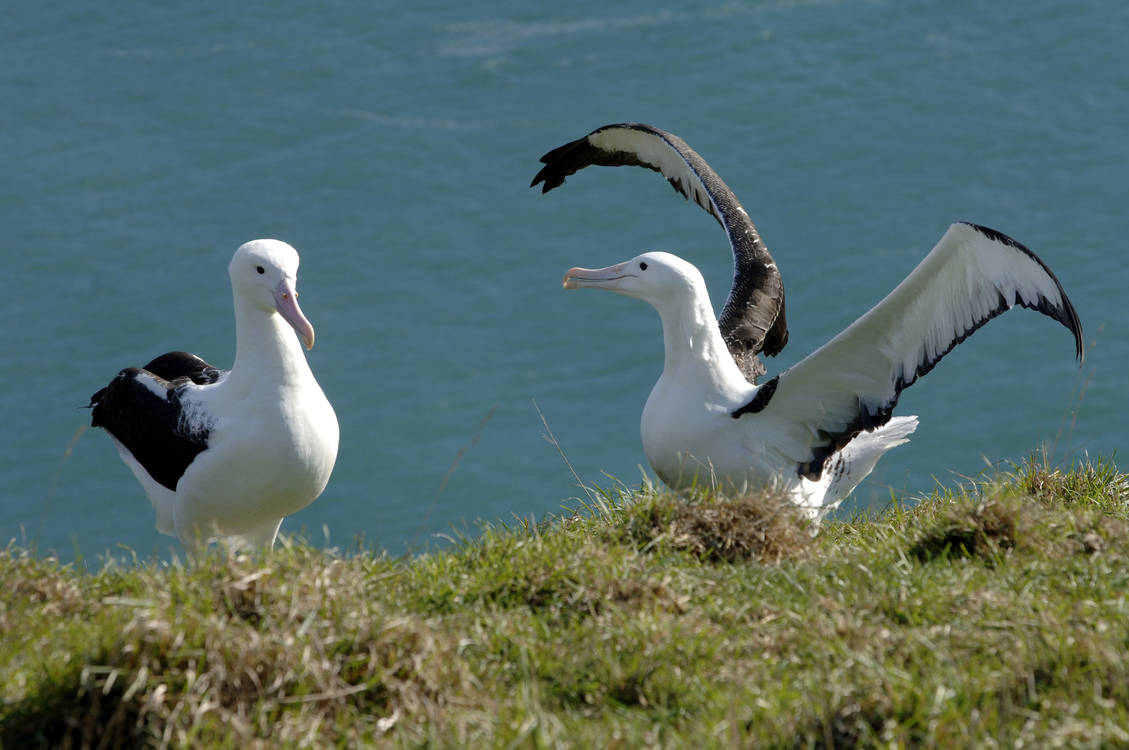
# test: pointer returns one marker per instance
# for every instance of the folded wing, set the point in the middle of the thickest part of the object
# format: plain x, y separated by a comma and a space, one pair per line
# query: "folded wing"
143, 409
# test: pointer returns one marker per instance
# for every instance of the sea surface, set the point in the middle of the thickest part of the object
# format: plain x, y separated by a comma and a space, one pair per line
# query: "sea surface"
393, 145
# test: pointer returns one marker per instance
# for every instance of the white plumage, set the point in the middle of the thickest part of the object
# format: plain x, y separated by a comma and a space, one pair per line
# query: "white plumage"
230, 454
819, 427
753, 321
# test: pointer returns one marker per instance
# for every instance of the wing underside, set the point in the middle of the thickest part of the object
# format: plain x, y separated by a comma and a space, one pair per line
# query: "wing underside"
852, 383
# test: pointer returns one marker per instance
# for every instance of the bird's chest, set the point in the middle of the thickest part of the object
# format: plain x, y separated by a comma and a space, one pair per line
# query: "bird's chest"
276, 441
686, 431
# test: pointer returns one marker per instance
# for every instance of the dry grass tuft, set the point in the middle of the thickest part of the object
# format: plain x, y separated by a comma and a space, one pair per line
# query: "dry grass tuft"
763, 526
1025, 509
983, 530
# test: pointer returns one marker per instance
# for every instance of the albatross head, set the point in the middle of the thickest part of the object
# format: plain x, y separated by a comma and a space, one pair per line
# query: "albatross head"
662, 279
264, 273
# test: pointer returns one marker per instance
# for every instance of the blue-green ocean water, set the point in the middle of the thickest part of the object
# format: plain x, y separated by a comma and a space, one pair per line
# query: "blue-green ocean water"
394, 145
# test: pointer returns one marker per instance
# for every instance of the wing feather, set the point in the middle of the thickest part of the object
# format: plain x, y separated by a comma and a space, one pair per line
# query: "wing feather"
143, 409
753, 319
852, 383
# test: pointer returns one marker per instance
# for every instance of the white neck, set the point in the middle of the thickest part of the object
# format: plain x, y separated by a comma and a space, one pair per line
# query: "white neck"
694, 345
267, 351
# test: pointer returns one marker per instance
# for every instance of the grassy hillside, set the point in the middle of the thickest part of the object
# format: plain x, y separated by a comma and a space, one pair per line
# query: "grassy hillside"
995, 616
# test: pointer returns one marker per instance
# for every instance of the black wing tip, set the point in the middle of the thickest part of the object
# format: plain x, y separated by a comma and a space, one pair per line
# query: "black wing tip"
872, 416
755, 271
997, 236
555, 171
1065, 313
542, 177
552, 175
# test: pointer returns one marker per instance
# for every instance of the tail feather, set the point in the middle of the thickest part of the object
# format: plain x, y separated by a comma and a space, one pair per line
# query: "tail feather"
848, 467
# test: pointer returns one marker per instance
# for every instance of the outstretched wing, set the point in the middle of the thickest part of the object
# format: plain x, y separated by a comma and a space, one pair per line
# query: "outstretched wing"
753, 318
852, 383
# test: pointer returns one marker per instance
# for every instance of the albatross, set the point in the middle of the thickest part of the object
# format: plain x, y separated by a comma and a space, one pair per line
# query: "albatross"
818, 428
229, 454
752, 321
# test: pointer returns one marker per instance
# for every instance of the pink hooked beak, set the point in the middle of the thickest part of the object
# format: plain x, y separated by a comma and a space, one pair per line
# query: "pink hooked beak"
286, 302
576, 278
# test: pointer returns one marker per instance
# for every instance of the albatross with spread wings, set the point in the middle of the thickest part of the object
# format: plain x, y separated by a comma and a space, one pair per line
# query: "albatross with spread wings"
819, 427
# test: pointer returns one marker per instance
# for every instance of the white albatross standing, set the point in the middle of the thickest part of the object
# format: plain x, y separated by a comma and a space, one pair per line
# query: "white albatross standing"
818, 428
230, 453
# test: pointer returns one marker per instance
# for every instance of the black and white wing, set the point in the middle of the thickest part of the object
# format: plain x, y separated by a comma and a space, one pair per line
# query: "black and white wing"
852, 383
143, 409
752, 320
175, 365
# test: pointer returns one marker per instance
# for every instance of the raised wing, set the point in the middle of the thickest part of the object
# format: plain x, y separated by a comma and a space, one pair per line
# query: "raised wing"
753, 318
852, 383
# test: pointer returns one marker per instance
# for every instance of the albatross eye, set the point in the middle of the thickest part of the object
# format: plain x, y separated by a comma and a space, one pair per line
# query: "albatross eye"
642, 265
260, 269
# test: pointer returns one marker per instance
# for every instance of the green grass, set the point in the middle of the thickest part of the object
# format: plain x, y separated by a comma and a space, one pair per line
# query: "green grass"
991, 616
